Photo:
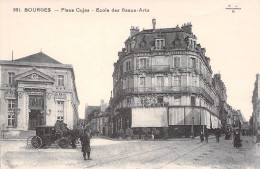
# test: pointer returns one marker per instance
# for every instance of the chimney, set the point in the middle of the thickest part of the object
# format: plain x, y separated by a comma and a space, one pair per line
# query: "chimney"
154, 24
134, 31
187, 27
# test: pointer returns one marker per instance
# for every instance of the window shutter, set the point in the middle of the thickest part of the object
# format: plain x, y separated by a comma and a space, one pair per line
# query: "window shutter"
197, 60
137, 63
175, 62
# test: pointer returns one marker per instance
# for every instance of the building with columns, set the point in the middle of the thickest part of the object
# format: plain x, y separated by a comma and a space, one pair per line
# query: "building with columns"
163, 79
37, 90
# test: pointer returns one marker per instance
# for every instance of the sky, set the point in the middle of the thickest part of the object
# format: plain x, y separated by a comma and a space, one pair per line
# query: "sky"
90, 41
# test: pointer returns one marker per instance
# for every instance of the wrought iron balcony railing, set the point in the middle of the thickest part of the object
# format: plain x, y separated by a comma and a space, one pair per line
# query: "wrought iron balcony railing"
167, 89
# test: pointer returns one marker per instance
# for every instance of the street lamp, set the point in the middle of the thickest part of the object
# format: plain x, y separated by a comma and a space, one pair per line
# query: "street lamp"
192, 128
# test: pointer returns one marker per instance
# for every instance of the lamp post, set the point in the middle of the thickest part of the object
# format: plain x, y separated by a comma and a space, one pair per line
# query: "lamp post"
192, 128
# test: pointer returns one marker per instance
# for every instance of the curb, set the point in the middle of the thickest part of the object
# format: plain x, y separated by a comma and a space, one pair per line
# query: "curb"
13, 139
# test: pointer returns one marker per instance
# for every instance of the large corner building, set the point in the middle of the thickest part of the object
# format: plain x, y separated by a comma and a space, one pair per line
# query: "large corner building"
163, 79
37, 90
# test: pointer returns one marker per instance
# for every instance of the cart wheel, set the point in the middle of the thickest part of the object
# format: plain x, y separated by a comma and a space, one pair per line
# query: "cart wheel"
36, 142
29, 141
63, 143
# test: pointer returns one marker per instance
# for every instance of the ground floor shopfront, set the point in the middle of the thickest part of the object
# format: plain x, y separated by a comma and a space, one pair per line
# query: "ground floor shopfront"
172, 121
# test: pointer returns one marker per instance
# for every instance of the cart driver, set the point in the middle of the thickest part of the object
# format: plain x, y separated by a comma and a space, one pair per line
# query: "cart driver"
58, 128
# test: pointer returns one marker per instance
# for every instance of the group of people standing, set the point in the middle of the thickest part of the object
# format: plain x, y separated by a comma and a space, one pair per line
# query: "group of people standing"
236, 135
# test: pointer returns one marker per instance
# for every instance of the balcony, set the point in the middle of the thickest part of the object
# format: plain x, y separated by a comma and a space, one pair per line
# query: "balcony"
159, 68
167, 89
155, 68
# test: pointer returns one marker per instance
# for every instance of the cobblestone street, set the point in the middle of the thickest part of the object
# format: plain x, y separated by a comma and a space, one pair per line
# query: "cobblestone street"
177, 153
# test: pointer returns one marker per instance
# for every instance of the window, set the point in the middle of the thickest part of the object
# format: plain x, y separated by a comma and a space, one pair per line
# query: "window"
177, 81
11, 104
60, 80
177, 62
142, 81
194, 81
159, 43
60, 118
160, 100
60, 107
193, 61
144, 63
177, 100
11, 120
128, 101
160, 81
128, 65
192, 101
10, 77
143, 101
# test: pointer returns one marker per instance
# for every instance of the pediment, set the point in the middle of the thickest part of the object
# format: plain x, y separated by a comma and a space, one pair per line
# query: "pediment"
34, 76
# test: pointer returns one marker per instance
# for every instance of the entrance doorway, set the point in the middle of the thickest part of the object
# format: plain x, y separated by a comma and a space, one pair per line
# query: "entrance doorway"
35, 119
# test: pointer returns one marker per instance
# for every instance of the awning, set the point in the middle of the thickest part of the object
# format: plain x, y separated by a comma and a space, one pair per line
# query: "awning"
149, 117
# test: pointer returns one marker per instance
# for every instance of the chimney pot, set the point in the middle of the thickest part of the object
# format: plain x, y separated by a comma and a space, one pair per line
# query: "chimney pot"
154, 24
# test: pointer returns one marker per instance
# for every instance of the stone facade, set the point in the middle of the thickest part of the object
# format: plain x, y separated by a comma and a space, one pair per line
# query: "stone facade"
97, 118
164, 71
37, 90
256, 106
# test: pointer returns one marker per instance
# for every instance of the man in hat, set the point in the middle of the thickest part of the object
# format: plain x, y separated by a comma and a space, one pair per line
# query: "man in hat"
85, 142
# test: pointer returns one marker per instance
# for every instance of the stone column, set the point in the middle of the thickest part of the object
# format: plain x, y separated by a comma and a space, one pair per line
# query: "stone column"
50, 108
23, 116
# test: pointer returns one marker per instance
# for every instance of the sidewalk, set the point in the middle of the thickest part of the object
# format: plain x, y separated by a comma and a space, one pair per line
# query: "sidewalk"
23, 135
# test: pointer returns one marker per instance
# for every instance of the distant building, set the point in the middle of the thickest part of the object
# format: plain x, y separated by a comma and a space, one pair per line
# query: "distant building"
162, 79
37, 90
221, 91
256, 105
97, 118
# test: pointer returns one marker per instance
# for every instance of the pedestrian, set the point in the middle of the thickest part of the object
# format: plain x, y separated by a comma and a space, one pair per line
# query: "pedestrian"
85, 143
218, 134
206, 135
237, 141
201, 136
152, 134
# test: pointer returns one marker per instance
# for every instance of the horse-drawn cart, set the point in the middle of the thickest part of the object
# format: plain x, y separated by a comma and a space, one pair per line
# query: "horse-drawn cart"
46, 135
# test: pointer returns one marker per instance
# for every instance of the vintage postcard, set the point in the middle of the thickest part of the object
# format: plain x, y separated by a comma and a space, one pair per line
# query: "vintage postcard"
129, 84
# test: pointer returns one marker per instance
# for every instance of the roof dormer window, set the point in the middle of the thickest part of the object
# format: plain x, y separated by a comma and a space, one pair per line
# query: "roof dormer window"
159, 43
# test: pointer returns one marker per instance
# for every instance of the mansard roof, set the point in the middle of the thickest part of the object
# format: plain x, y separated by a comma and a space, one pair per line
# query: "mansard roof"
38, 57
